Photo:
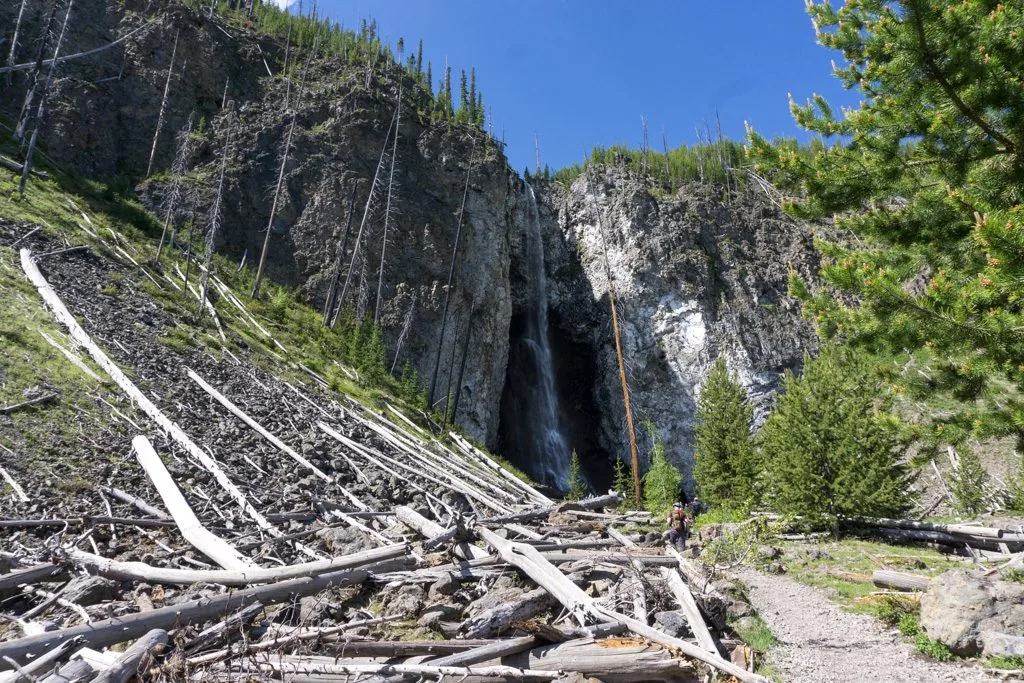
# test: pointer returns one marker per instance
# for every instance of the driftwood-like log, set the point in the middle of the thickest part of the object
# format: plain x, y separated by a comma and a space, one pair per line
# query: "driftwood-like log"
75, 671
135, 501
622, 660
217, 549
13, 581
955, 529
80, 337
576, 601
942, 538
119, 629
499, 619
900, 581
537, 513
290, 667
31, 671
432, 531
685, 599
139, 571
134, 659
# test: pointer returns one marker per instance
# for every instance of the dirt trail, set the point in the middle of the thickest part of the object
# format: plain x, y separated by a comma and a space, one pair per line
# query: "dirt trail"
820, 642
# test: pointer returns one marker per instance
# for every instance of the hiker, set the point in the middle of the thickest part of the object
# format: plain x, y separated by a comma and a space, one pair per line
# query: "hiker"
677, 526
696, 507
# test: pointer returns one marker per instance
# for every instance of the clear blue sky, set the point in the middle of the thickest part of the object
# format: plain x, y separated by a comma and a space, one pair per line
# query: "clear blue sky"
581, 73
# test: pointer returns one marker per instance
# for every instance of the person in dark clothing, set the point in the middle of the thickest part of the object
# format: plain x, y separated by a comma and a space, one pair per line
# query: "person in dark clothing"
678, 524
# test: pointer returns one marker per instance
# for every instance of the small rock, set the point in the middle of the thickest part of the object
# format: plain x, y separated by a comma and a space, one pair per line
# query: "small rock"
673, 623
432, 616
407, 602
446, 585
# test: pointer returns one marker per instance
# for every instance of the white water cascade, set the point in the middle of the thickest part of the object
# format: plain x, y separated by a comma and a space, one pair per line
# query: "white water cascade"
540, 430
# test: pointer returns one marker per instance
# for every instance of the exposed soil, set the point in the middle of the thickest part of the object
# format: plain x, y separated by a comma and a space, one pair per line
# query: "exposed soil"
820, 642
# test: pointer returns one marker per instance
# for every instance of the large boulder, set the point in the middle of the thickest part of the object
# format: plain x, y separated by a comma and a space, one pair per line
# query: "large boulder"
959, 607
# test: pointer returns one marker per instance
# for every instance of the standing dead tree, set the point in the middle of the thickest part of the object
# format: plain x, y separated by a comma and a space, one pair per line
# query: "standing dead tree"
24, 117
280, 176
406, 324
374, 185
163, 105
41, 112
332, 291
14, 40
451, 276
177, 171
387, 209
211, 232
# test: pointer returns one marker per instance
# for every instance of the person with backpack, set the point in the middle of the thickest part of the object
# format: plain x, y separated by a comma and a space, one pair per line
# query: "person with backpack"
678, 526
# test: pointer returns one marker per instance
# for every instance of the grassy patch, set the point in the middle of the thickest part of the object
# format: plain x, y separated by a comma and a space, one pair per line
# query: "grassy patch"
1010, 663
932, 649
756, 634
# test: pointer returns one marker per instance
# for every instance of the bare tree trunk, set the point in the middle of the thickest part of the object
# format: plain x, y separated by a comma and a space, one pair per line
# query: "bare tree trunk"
406, 324
41, 114
451, 275
14, 40
30, 96
177, 171
366, 215
273, 208
333, 291
163, 105
387, 209
211, 232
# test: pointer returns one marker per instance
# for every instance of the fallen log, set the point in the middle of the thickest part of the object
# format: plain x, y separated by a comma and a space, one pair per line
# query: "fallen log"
900, 581
137, 502
22, 577
942, 538
291, 667
139, 571
537, 513
217, 549
685, 599
499, 619
4, 410
577, 602
80, 337
434, 532
954, 529
119, 629
133, 659
621, 659
31, 671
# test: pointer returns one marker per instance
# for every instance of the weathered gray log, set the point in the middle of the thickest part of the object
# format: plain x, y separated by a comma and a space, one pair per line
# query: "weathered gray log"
139, 504
139, 571
432, 530
488, 651
134, 659
942, 538
76, 522
685, 599
962, 529
537, 513
41, 572
294, 665
26, 404
498, 619
75, 671
119, 629
900, 581
409, 648
612, 557
31, 671
575, 601
223, 630
622, 662
217, 549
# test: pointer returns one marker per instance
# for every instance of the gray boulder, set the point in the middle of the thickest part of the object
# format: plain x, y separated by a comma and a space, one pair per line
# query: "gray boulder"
959, 607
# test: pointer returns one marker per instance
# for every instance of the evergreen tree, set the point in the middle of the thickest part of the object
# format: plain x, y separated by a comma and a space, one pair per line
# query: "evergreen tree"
1014, 494
830, 447
577, 484
968, 483
419, 61
622, 484
446, 99
430, 78
471, 104
928, 173
663, 481
724, 464
463, 95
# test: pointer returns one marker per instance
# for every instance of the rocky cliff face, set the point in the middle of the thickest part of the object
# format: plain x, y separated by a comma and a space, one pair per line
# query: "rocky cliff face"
696, 275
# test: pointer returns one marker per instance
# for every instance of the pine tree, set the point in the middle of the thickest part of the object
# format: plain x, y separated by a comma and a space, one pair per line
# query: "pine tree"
927, 174
430, 78
968, 483
622, 484
471, 104
577, 484
663, 481
419, 60
446, 97
724, 464
830, 447
1014, 494
463, 97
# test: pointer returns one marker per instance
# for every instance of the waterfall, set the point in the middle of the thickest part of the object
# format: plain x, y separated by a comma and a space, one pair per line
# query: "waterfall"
540, 438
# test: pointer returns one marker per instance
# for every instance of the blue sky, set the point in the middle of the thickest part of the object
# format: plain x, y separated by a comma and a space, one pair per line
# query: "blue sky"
580, 73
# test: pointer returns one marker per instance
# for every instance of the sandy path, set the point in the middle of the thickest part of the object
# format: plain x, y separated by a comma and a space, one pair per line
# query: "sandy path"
820, 642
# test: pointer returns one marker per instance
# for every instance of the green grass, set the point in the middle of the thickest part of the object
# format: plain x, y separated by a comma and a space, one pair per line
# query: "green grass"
756, 634
1010, 663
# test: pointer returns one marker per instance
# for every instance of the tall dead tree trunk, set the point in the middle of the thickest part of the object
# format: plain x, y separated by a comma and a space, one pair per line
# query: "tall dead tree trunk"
387, 208
28, 104
163, 105
366, 215
406, 325
211, 232
41, 113
451, 276
12, 54
635, 459
177, 171
336, 272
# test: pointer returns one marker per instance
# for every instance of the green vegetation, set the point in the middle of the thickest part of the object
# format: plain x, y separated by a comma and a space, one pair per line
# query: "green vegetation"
968, 483
577, 484
830, 447
928, 175
622, 483
724, 457
756, 634
662, 483
1010, 663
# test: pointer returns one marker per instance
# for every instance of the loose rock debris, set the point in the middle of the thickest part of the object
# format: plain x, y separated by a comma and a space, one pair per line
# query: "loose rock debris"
244, 528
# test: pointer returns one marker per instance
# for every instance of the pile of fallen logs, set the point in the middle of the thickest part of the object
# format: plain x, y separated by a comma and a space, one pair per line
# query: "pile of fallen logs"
971, 540
476, 575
